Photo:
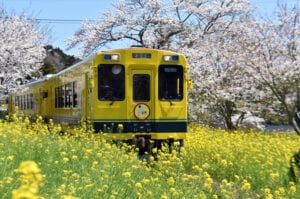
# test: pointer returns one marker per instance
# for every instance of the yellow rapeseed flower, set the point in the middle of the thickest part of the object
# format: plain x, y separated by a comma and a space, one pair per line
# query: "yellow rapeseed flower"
196, 168
224, 163
163, 196
69, 197
246, 185
29, 181
149, 193
74, 157
8, 180
170, 181
138, 185
280, 191
146, 181
10, 158
269, 196
28, 167
292, 189
23, 194
215, 196
274, 176
126, 174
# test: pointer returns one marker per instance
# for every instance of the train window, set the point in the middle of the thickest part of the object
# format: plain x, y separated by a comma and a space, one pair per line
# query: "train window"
31, 101
141, 87
170, 82
16, 101
23, 102
60, 97
68, 95
111, 82
56, 97
75, 103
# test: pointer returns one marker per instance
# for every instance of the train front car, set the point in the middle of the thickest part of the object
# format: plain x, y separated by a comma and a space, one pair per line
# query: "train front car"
141, 96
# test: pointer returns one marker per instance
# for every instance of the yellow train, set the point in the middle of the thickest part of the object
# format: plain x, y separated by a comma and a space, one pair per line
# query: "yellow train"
127, 94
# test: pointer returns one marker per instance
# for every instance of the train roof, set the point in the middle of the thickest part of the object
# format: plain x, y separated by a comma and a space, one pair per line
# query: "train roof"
138, 48
43, 79
90, 58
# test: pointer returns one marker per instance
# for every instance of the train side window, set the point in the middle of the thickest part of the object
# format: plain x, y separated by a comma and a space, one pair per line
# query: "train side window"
28, 101
170, 82
61, 97
17, 101
111, 82
56, 97
23, 102
68, 95
33, 101
75, 103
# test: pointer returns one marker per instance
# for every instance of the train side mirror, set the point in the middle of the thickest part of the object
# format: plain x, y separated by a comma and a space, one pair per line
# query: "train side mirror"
45, 94
190, 84
91, 83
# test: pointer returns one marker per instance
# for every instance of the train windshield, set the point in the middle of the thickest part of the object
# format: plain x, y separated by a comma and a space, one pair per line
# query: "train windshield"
111, 82
170, 82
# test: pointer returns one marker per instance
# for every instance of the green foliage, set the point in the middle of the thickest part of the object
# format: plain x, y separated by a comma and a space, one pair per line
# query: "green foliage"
48, 68
57, 60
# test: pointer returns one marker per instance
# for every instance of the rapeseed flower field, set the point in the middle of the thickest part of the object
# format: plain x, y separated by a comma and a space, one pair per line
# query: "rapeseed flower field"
37, 162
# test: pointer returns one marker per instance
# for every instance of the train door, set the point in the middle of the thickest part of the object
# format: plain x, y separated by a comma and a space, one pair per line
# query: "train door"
45, 106
87, 96
142, 99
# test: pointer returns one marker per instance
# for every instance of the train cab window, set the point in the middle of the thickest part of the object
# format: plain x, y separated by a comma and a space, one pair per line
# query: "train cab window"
111, 82
141, 87
170, 82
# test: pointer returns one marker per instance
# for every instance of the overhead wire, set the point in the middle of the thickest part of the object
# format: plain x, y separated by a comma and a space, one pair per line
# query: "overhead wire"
60, 21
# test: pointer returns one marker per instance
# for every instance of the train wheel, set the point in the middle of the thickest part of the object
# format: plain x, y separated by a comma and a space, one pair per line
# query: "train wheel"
143, 145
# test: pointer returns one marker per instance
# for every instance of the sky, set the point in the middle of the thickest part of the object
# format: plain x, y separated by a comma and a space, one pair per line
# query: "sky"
63, 17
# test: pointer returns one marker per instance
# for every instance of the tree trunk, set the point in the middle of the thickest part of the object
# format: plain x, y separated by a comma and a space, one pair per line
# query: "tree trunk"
227, 109
295, 121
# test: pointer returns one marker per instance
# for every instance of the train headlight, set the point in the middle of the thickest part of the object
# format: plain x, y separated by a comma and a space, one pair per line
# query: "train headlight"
171, 58
111, 57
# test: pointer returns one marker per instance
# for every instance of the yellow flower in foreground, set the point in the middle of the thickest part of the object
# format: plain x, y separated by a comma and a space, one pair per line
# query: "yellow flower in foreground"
29, 181
28, 167
171, 181
23, 194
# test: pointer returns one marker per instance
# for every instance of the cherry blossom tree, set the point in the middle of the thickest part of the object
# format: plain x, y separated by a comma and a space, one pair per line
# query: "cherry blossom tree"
270, 56
221, 90
21, 50
157, 23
